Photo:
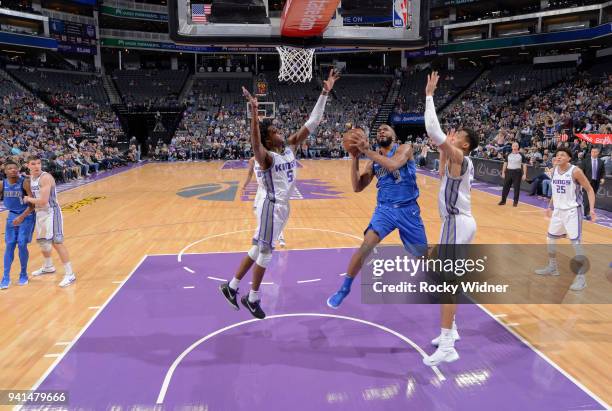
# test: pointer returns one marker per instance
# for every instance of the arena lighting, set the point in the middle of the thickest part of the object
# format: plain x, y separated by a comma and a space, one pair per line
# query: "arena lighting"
577, 26
470, 38
491, 55
514, 33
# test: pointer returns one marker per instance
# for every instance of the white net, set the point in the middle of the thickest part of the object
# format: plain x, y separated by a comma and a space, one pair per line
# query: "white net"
296, 64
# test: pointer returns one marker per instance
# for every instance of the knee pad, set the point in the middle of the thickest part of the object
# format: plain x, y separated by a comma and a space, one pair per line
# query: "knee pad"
264, 259
552, 245
254, 253
578, 248
45, 245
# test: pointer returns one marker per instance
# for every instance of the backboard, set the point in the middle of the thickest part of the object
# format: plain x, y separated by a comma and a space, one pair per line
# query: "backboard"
356, 24
266, 109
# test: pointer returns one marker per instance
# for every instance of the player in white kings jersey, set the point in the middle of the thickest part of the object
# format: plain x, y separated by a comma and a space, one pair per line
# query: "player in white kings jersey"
49, 221
261, 190
565, 212
455, 206
277, 165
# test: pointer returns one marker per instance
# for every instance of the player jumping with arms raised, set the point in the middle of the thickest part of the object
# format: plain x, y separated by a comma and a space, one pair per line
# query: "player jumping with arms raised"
277, 164
261, 191
455, 206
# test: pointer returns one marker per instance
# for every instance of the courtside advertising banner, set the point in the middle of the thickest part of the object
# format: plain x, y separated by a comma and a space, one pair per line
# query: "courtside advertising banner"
596, 138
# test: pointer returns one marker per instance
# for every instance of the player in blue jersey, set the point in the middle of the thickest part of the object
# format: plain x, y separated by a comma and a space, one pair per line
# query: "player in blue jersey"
396, 208
19, 224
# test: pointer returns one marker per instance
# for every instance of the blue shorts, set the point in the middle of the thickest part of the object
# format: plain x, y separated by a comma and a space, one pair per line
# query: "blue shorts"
22, 233
407, 219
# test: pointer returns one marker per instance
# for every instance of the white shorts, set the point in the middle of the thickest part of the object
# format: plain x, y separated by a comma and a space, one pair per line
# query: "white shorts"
566, 223
50, 225
259, 198
458, 229
271, 219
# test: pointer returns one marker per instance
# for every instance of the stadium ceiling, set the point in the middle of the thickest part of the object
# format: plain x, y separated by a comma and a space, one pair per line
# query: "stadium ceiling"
482, 6
67, 7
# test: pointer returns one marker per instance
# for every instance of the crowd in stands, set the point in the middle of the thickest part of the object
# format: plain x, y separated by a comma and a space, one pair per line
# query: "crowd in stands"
148, 89
539, 109
545, 110
410, 98
28, 126
549, 118
99, 118
77, 94
215, 124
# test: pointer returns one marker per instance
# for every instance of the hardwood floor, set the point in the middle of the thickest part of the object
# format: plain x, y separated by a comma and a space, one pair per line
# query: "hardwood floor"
138, 212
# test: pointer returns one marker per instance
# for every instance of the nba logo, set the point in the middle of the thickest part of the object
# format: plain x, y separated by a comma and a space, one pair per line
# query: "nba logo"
400, 13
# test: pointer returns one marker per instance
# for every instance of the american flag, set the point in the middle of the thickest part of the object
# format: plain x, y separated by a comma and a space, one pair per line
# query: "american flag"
199, 12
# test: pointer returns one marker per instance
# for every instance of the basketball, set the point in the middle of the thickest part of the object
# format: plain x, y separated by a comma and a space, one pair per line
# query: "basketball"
350, 139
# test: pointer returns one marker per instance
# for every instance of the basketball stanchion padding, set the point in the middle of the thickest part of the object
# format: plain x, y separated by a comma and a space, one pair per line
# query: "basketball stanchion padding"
296, 64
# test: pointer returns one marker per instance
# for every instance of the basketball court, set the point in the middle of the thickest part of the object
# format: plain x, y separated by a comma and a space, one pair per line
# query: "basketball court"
145, 326
145, 323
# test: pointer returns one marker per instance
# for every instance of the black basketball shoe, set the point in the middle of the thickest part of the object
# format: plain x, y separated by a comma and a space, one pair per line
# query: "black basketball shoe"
254, 308
230, 295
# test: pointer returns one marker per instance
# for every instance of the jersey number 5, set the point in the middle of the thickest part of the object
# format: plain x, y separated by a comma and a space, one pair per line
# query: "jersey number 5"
289, 176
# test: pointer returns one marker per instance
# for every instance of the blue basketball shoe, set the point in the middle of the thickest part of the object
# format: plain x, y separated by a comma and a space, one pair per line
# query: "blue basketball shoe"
4, 284
335, 300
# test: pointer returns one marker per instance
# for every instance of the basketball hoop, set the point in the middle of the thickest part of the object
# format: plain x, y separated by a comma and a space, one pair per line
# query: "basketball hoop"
296, 64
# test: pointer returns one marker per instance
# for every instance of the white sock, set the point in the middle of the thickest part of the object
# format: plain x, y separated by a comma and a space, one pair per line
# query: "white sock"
454, 325
446, 338
234, 283
68, 268
552, 261
281, 237
48, 262
253, 296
